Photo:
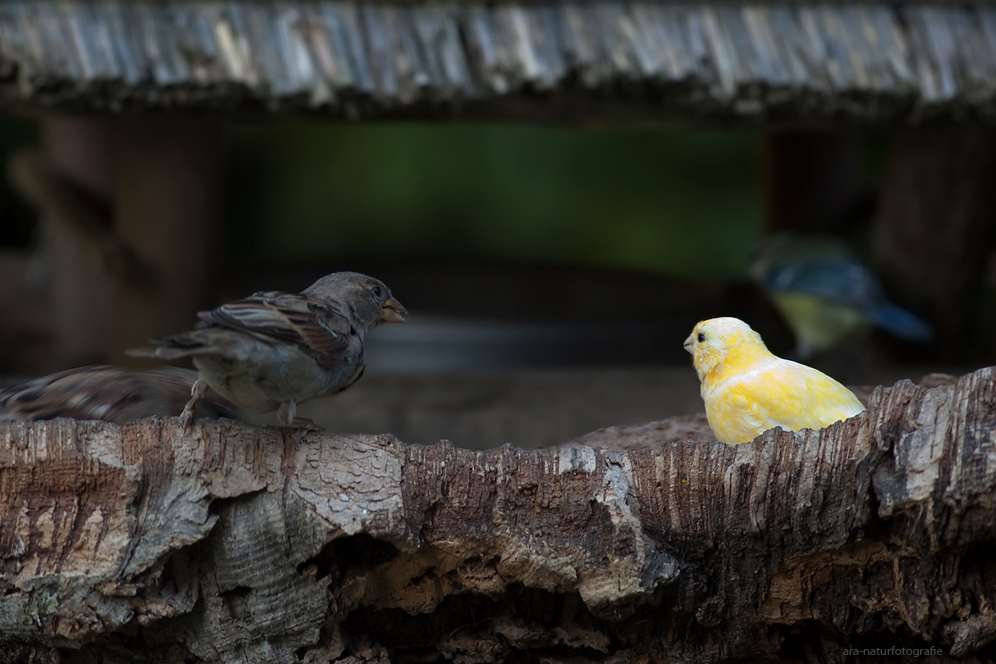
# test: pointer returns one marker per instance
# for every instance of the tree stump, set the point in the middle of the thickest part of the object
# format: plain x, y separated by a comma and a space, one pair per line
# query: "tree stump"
262, 544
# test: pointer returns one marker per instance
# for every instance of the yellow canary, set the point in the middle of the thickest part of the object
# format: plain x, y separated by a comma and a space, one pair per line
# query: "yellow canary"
748, 390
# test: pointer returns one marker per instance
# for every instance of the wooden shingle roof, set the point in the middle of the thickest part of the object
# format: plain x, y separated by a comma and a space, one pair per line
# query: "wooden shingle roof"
757, 62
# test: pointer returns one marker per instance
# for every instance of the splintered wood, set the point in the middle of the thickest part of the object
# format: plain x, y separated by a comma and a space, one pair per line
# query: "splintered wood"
259, 544
555, 61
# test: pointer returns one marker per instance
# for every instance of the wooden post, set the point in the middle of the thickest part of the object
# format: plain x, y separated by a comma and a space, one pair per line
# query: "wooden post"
934, 225
169, 212
79, 148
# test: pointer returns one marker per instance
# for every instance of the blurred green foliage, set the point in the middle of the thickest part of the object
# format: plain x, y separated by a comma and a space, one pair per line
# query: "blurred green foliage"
678, 202
681, 202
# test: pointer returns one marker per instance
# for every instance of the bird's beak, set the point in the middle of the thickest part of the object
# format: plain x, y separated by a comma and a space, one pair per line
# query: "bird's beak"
689, 344
393, 312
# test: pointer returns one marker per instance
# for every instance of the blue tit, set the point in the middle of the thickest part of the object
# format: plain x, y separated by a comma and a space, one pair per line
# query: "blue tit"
826, 293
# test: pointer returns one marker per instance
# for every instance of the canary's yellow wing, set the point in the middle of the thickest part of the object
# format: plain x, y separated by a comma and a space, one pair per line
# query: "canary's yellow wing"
776, 393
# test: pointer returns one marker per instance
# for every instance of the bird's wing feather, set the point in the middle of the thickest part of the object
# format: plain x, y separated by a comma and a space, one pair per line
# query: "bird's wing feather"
794, 396
105, 393
782, 394
840, 281
85, 394
317, 328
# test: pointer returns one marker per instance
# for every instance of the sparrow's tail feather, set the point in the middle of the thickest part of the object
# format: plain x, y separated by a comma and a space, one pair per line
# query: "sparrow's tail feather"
170, 348
902, 323
143, 351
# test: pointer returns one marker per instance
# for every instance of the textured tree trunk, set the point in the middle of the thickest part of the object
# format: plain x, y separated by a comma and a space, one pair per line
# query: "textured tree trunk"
254, 544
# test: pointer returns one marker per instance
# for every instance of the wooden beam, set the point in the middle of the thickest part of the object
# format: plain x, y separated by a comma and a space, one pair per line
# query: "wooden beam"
755, 62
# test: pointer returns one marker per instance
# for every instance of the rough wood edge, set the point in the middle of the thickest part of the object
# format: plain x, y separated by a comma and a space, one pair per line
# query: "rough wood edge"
260, 544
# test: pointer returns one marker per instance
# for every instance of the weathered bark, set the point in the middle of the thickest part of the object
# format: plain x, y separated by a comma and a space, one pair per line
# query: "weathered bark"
752, 61
240, 543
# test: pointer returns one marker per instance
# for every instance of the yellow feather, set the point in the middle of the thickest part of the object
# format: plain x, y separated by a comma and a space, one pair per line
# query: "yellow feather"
748, 390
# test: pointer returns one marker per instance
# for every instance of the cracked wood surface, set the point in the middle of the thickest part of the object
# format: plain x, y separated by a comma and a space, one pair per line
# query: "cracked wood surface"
256, 544
556, 62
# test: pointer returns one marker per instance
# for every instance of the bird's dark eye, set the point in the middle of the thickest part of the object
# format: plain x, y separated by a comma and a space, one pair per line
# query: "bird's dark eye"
376, 291
701, 337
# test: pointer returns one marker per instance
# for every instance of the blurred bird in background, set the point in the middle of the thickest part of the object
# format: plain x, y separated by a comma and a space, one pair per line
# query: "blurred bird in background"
112, 394
748, 390
826, 293
274, 350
